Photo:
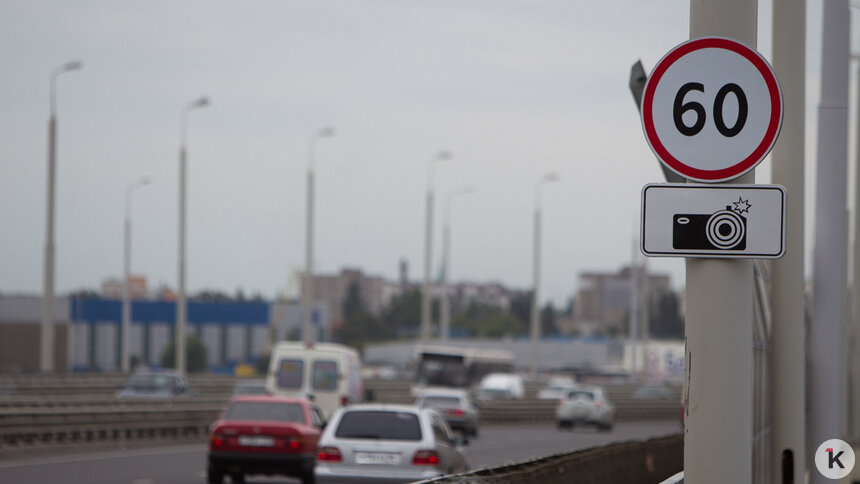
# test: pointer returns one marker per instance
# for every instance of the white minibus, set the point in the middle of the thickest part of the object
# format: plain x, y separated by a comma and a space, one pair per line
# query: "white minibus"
327, 373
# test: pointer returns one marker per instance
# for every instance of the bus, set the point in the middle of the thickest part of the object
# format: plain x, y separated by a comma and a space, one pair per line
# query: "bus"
449, 366
327, 373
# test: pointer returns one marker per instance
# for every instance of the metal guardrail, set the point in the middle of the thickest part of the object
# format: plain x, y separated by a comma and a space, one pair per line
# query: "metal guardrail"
636, 462
88, 424
83, 408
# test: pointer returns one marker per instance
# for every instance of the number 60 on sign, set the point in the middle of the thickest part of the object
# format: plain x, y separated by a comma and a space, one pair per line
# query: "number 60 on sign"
711, 109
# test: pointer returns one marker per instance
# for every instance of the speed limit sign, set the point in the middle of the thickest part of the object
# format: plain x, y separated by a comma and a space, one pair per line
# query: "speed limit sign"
712, 109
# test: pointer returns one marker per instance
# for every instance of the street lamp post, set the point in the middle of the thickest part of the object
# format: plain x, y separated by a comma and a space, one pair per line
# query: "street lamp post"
181, 310
446, 259
535, 308
428, 243
46, 340
307, 286
126, 303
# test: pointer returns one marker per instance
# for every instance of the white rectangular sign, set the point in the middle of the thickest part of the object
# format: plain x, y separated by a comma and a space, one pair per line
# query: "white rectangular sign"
716, 221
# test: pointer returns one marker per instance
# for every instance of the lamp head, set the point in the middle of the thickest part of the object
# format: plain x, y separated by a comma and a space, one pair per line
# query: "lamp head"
443, 155
202, 102
73, 66
326, 132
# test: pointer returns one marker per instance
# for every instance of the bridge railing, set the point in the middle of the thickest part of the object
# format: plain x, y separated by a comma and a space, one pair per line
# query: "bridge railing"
635, 462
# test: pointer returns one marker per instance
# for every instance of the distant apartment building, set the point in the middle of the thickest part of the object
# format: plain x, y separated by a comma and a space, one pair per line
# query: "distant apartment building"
331, 291
602, 302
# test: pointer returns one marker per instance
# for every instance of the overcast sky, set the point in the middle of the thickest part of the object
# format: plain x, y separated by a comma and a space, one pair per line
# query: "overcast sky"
514, 89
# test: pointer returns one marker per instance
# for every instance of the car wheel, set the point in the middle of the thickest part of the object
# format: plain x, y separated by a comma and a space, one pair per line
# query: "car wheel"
474, 433
237, 478
214, 477
308, 478
565, 424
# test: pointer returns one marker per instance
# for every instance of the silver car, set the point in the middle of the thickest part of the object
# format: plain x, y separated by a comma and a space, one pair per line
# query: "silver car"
455, 407
379, 444
585, 406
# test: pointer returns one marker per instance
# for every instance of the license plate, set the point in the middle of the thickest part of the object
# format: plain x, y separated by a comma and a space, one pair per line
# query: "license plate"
385, 458
256, 441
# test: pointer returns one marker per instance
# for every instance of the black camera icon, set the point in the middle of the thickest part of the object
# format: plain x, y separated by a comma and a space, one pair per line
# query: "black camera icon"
721, 230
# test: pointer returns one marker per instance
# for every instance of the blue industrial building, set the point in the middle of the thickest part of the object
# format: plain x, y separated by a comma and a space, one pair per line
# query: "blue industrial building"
232, 332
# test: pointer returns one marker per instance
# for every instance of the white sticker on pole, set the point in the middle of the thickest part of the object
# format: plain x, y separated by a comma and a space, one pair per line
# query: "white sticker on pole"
711, 109
715, 221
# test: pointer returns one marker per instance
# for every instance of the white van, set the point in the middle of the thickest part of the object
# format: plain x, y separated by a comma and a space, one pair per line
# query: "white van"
501, 386
327, 373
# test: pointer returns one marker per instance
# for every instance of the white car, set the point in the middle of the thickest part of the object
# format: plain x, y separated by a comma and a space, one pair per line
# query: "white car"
585, 406
386, 444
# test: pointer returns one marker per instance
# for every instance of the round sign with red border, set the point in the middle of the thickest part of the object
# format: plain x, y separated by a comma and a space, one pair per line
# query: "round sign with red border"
712, 109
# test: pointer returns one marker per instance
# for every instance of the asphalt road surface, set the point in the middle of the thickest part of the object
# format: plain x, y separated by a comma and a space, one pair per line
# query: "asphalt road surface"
185, 464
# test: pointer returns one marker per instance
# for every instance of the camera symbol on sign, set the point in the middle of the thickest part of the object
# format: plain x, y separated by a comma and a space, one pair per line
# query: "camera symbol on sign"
721, 230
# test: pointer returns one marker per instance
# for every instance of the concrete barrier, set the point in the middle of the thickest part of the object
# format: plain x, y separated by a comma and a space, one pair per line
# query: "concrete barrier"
636, 462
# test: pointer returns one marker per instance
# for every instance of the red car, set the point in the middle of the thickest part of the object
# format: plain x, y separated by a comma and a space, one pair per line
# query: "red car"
264, 435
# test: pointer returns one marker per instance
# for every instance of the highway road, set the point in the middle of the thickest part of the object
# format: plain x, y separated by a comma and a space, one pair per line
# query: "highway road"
185, 464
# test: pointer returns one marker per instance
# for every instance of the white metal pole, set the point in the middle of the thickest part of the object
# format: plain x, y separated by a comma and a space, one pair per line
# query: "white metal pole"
788, 337
633, 330
831, 235
535, 306
46, 334
425, 330
308, 279
445, 326
125, 357
445, 316
308, 333
125, 364
181, 305
719, 322
854, 332
179, 339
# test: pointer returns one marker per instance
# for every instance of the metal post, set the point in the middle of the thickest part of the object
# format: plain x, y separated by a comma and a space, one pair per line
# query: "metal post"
719, 356
46, 340
125, 360
308, 333
428, 245
46, 334
181, 306
445, 326
854, 330
179, 339
125, 364
535, 306
308, 279
831, 235
633, 329
788, 338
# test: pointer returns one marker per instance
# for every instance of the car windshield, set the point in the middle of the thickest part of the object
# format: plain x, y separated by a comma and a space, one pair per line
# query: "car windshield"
440, 402
580, 394
379, 424
266, 411
152, 383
